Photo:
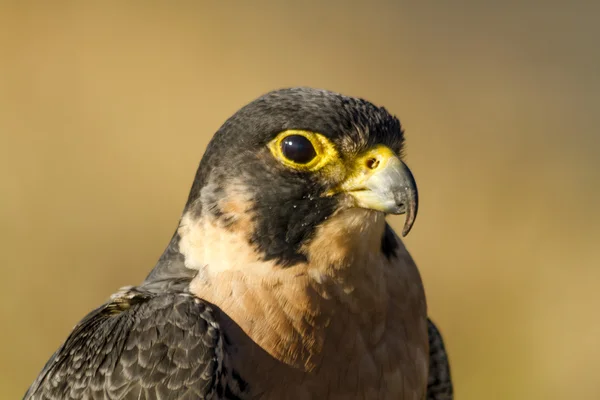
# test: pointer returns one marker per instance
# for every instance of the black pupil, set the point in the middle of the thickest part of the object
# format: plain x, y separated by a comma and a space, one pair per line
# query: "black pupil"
298, 149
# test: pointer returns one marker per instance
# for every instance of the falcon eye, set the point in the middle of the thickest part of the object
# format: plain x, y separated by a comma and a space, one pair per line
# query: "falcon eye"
304, 150
298, 149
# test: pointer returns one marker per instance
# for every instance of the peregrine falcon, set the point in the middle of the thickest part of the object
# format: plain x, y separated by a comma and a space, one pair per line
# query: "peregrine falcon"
283, 279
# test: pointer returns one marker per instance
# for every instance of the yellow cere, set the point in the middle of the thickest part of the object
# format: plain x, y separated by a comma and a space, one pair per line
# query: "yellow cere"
364, 166
325, 150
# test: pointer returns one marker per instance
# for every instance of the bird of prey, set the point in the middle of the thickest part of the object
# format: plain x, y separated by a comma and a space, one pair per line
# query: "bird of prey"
283, 279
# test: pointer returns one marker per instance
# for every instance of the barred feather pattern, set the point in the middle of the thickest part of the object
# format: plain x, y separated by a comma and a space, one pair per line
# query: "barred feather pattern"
439, 383
140, 345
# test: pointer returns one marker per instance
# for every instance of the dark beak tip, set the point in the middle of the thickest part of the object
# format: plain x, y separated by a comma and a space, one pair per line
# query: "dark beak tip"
411, 215
408, 200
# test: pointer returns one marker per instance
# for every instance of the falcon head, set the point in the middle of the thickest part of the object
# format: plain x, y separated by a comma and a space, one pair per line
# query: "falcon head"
294, 158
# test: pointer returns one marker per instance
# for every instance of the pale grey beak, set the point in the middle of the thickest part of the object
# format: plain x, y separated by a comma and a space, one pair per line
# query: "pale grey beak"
384, 183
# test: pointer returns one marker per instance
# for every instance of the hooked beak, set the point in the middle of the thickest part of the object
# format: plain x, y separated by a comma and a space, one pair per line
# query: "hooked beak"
382, 182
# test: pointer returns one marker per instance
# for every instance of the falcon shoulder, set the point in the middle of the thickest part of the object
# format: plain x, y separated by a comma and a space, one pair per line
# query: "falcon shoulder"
140, 345
439, 383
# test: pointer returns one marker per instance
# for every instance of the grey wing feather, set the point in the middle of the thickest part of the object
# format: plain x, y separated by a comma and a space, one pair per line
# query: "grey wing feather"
141, 345
439, 384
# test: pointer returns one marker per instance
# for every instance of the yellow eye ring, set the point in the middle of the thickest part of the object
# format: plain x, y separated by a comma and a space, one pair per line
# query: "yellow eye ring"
324, 150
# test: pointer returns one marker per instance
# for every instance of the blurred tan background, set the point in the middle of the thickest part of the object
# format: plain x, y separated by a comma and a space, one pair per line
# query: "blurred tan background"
105, 111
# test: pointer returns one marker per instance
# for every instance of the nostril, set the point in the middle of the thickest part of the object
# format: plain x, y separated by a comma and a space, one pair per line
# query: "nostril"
372, 163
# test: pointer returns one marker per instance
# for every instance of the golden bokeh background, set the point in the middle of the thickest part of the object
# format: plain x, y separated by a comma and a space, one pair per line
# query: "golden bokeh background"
106, 108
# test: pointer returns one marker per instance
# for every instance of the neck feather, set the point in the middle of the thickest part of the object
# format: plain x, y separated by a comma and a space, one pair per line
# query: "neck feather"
344, 285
